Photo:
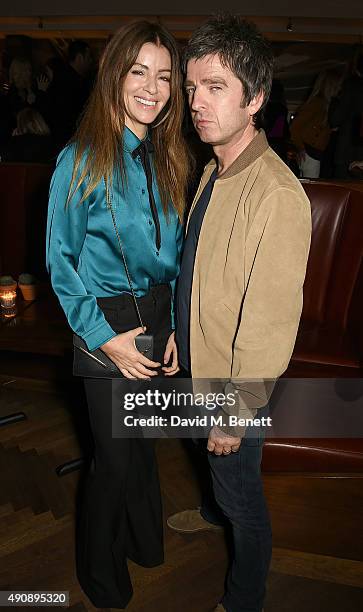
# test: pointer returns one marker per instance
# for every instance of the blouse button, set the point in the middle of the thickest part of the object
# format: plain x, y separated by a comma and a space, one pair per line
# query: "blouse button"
157, 253
143, 191
150, 222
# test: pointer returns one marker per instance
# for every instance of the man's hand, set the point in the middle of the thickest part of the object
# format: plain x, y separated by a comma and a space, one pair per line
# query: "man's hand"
123, 352
171, 350
220, 443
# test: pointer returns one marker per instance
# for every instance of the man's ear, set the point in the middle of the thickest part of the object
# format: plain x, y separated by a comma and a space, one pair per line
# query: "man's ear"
256, 103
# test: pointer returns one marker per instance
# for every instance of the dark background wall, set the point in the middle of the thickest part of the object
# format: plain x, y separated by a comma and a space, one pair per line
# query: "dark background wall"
303, 8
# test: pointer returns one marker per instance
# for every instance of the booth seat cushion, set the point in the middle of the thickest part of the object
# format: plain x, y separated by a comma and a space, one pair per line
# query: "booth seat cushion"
327, 455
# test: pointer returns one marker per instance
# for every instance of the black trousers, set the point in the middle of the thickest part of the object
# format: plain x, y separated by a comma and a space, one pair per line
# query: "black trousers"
121, 513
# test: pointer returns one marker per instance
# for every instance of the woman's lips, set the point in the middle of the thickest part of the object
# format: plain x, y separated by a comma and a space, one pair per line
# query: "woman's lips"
146, 102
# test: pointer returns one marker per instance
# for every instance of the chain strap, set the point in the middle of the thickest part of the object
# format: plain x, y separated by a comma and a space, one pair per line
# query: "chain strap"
110, 207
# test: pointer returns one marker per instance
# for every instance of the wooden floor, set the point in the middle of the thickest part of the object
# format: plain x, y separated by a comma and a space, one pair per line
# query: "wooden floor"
317, 561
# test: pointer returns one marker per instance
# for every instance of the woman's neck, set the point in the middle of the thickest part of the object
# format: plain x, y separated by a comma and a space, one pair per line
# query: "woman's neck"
138, 129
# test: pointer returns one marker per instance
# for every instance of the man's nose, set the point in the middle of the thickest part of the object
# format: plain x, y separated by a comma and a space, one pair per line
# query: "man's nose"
197, 101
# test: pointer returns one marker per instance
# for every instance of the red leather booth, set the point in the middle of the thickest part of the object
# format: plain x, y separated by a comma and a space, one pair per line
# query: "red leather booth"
330, 337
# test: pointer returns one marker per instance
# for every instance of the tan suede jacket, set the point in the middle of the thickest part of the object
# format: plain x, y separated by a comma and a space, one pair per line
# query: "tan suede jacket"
249, 272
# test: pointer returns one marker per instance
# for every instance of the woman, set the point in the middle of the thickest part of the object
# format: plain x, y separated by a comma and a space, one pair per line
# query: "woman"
137, 99
20, 95
21, 82
30, 141
310, 130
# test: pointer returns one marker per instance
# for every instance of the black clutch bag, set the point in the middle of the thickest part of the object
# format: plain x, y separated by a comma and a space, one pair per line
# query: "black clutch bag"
96, 364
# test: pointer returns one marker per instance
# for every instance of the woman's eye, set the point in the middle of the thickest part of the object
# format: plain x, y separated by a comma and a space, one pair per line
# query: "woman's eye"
166, 79
140, 72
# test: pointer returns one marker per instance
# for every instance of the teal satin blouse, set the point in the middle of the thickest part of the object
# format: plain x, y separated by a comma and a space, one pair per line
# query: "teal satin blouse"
83, 256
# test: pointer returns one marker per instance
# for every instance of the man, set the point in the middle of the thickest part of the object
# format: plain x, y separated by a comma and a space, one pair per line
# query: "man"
244, 264
346, 114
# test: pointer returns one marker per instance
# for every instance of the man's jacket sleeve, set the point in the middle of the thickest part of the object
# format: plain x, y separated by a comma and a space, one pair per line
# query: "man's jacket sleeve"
273, 300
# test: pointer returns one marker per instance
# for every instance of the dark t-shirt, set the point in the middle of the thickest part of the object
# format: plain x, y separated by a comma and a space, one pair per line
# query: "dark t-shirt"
186, 273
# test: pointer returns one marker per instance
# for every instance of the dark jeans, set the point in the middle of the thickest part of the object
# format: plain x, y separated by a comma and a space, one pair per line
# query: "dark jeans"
238, 491
121, 513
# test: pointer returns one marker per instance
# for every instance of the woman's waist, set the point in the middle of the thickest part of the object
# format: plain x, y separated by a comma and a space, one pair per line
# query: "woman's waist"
123, 299
154, 308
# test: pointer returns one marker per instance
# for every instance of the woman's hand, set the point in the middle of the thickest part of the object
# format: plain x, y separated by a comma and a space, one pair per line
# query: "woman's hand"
301, 156
122, 351
171, 351
43, 83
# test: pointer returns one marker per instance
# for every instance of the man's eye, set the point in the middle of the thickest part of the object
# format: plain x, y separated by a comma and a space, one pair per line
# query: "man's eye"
215, 88
189, 90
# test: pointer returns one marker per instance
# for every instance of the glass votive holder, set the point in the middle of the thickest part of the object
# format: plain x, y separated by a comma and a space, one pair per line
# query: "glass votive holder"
8, 303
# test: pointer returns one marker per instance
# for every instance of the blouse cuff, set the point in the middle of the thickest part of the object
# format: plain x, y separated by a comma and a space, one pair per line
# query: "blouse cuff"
98, 336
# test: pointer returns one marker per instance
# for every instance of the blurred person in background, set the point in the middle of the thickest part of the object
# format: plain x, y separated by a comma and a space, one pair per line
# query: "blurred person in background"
67, 92
346, 115
275, 121
21, 83
310, 130
4, 85
22, 90
31, 139
19, 94
356, 169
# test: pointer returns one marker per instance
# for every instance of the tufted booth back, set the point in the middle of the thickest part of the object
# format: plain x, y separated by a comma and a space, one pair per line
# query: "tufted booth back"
333, 284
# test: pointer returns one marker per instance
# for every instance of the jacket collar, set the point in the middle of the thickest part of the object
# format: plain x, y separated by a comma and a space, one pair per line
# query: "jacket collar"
253, 151
249, 155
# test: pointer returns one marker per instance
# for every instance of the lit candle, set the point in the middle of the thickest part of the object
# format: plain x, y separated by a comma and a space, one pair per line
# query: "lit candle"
8, 303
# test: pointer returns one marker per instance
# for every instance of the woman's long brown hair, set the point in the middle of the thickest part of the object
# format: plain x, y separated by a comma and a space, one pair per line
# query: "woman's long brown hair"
99, 137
